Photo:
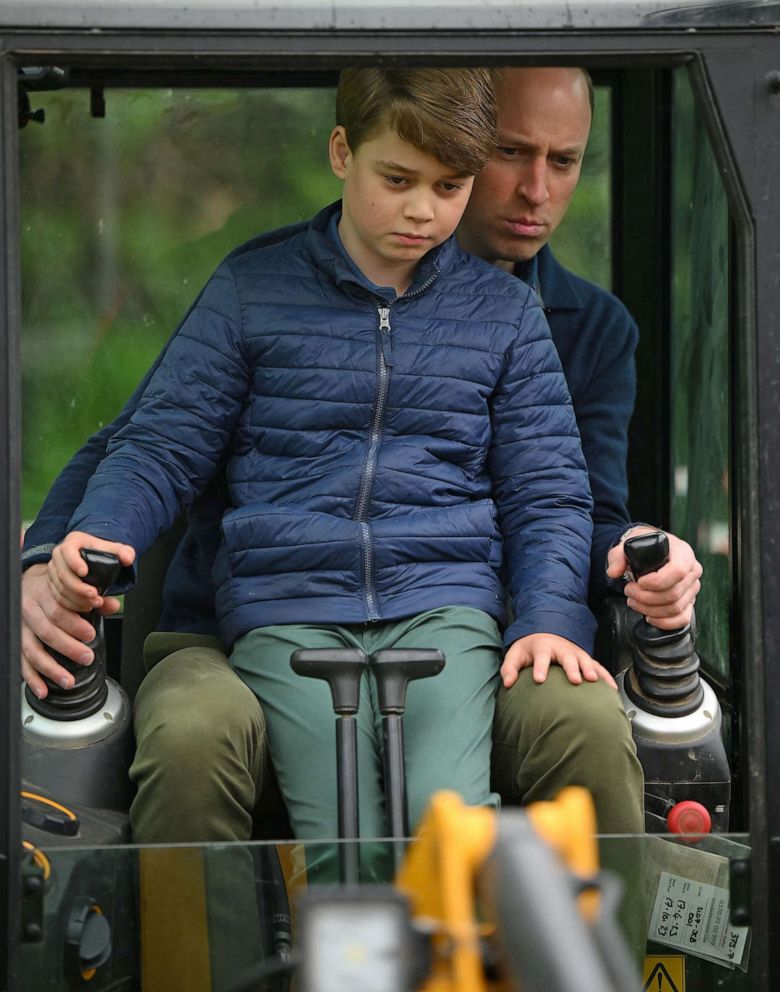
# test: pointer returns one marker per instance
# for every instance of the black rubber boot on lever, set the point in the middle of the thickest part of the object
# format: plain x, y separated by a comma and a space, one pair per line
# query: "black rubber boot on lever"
342, 670
89, 692
665, 676
393, 670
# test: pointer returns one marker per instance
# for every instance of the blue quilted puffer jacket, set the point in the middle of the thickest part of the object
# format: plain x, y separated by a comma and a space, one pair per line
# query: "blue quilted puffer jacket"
384, 455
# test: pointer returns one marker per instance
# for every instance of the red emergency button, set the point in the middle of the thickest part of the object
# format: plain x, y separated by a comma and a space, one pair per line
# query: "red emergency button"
689, 817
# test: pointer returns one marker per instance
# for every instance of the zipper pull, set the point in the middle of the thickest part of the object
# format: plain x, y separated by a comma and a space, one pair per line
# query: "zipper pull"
385, 335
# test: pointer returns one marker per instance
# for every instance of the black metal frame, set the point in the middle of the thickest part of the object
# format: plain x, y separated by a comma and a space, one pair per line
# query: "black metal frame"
730, 72
10, 473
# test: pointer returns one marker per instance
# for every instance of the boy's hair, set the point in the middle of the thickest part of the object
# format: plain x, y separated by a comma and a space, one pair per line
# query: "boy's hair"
448, 113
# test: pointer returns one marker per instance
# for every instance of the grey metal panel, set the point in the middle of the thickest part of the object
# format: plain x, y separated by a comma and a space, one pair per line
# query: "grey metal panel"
372, 15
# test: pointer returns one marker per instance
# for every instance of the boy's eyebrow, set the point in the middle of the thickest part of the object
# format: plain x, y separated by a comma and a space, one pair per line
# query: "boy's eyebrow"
396, 167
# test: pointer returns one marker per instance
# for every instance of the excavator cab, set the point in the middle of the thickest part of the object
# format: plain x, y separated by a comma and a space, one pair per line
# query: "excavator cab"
141, 143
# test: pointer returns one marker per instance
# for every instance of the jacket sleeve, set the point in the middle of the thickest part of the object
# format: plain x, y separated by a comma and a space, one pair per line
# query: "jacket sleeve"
165, 454
541, 489
603, 413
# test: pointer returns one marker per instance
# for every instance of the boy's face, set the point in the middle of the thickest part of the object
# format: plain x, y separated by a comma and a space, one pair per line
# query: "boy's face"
399, 202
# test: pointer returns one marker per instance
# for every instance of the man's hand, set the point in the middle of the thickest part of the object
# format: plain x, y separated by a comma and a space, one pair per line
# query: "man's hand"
541, 650
67, 570
45, 622
665, 597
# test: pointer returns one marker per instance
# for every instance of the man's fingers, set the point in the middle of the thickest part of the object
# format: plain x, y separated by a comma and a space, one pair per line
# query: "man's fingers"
110, 605
33, 679
672, 623
685, 590
49, 621
666, 580
665, 611
53, 636
37, 661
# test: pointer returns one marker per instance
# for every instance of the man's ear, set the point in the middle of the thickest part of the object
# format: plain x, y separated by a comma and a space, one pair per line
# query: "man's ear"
339, 151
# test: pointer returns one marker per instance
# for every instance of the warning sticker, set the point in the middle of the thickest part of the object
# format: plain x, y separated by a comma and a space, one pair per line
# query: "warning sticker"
666, 974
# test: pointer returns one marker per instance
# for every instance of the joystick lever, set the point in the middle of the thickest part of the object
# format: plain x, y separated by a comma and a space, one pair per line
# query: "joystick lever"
664, 678
89, 692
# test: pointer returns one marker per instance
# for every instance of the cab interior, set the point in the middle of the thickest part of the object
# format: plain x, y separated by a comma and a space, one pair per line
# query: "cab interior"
138, 183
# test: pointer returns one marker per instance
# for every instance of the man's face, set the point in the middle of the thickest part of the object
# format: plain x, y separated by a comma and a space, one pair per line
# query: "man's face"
522, 194
399, 202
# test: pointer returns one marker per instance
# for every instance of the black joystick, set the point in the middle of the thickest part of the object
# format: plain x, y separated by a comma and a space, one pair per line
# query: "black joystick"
342, 669
89, 692
664, 679
393, 670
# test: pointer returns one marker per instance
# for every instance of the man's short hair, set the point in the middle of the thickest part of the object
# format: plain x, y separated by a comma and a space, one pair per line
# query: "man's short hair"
448, 113
591, 92
496, 73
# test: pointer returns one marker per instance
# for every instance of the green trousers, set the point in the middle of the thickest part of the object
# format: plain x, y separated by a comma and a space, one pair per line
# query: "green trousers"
447, 724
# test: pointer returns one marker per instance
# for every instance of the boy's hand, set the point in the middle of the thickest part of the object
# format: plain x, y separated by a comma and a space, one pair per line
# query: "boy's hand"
541, 650
666, 597
67, 570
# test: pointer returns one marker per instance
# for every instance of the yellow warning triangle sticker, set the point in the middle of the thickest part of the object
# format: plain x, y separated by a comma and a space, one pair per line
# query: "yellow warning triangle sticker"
664, 974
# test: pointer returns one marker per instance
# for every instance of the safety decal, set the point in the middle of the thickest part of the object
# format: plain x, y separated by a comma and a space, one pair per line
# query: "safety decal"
664, 974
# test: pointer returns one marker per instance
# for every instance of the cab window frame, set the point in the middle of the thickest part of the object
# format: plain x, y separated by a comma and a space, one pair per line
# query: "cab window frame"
715, 63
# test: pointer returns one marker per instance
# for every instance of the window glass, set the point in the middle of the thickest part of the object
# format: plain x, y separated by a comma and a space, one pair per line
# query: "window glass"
583, 242
125, 217
700, 369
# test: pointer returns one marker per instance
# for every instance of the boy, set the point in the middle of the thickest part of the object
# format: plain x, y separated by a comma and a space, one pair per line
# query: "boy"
395, 424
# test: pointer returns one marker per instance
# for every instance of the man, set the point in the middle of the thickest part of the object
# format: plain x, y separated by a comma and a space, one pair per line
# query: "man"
547, 736
549, 730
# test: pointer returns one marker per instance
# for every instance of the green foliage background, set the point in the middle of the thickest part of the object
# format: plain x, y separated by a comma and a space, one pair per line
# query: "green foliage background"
125, 218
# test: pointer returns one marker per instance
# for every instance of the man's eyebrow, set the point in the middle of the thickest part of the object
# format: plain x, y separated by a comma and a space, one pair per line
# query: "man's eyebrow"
519, 142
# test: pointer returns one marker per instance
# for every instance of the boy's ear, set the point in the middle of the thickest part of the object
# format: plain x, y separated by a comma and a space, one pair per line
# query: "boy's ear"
339, 151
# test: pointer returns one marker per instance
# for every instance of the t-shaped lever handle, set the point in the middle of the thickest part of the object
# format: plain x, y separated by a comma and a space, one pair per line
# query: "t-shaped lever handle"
393, 670
342, 669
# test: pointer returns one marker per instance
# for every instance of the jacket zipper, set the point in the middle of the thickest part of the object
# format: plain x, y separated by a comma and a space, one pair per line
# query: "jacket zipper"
369, 473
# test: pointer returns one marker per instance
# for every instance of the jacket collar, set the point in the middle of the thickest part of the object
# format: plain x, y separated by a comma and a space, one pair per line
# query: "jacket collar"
327, 251
548, 278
